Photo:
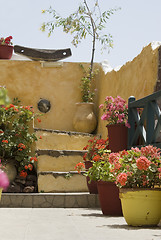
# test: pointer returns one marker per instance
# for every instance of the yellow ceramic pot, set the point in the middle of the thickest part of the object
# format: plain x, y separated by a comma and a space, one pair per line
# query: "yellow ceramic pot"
1, 192
141, 207
84, 119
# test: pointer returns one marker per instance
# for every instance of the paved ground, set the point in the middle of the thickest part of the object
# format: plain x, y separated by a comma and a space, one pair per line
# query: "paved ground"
63, 224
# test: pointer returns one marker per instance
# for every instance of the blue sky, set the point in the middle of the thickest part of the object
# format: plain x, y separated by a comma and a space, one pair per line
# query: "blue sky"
133, 27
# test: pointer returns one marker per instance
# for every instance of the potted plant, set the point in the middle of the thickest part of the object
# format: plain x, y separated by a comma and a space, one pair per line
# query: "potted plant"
115, 112
6, 48
16, 138
138, 176
95, 148
107, 190
85, 21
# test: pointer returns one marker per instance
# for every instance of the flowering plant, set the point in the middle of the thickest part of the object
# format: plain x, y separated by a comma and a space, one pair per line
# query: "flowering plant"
137, 168
16, 136
6, 41
95, 149
115, 110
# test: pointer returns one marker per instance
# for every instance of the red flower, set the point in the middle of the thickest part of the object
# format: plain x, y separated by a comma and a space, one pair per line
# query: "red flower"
5, 141
40, 137
30, 167
34, 158
23, 174
39, 120
79, 166
85, 148
96, 158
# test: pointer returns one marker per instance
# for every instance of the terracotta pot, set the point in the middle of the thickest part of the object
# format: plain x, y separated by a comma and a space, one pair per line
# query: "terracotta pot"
6, 51
141, 207
108, 194
84, 119
118, 137
92, 186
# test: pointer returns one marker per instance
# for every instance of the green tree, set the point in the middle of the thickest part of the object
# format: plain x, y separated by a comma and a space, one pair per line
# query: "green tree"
85, 21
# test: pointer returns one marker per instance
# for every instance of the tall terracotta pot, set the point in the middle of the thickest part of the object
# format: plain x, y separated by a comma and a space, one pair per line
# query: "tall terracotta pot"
6, 51
92, 186
84, 119
118, 137
108, 194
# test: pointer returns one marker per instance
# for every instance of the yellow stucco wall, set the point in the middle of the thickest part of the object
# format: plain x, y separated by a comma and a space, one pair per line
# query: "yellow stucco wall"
29, 81
136, 78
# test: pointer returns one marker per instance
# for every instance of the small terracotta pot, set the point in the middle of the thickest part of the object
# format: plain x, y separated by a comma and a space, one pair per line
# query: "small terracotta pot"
6, 51
92, 186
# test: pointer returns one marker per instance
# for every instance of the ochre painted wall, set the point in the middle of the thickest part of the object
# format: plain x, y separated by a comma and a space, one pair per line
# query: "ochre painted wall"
136, 78
29, 81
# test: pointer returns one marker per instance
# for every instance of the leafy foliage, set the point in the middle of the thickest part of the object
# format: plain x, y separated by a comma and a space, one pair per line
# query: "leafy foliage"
85, 21
16, 136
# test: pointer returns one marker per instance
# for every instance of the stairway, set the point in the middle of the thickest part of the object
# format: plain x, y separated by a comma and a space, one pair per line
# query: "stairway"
58, 153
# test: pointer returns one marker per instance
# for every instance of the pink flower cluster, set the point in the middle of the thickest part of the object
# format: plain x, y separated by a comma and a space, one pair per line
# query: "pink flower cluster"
137, 167
4, 181
115, 110
143, 163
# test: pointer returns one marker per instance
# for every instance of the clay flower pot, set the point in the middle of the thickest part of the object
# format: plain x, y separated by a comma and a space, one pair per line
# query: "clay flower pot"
84, 119
108, 194
118, 137
6, 51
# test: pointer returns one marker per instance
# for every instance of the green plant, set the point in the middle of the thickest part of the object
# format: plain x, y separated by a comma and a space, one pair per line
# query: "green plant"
16, 136
101, 170
137, 168
85, 21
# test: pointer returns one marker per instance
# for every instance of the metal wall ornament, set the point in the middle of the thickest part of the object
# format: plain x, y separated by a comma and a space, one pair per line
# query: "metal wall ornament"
44, 105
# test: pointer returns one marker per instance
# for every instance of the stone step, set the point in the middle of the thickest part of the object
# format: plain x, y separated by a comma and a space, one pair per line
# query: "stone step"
60, 140
49, 200
58, 160
50, 181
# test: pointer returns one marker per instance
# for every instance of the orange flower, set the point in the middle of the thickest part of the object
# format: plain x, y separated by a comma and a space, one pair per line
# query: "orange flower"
96, 158
34, 158
39, 120
30, 167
